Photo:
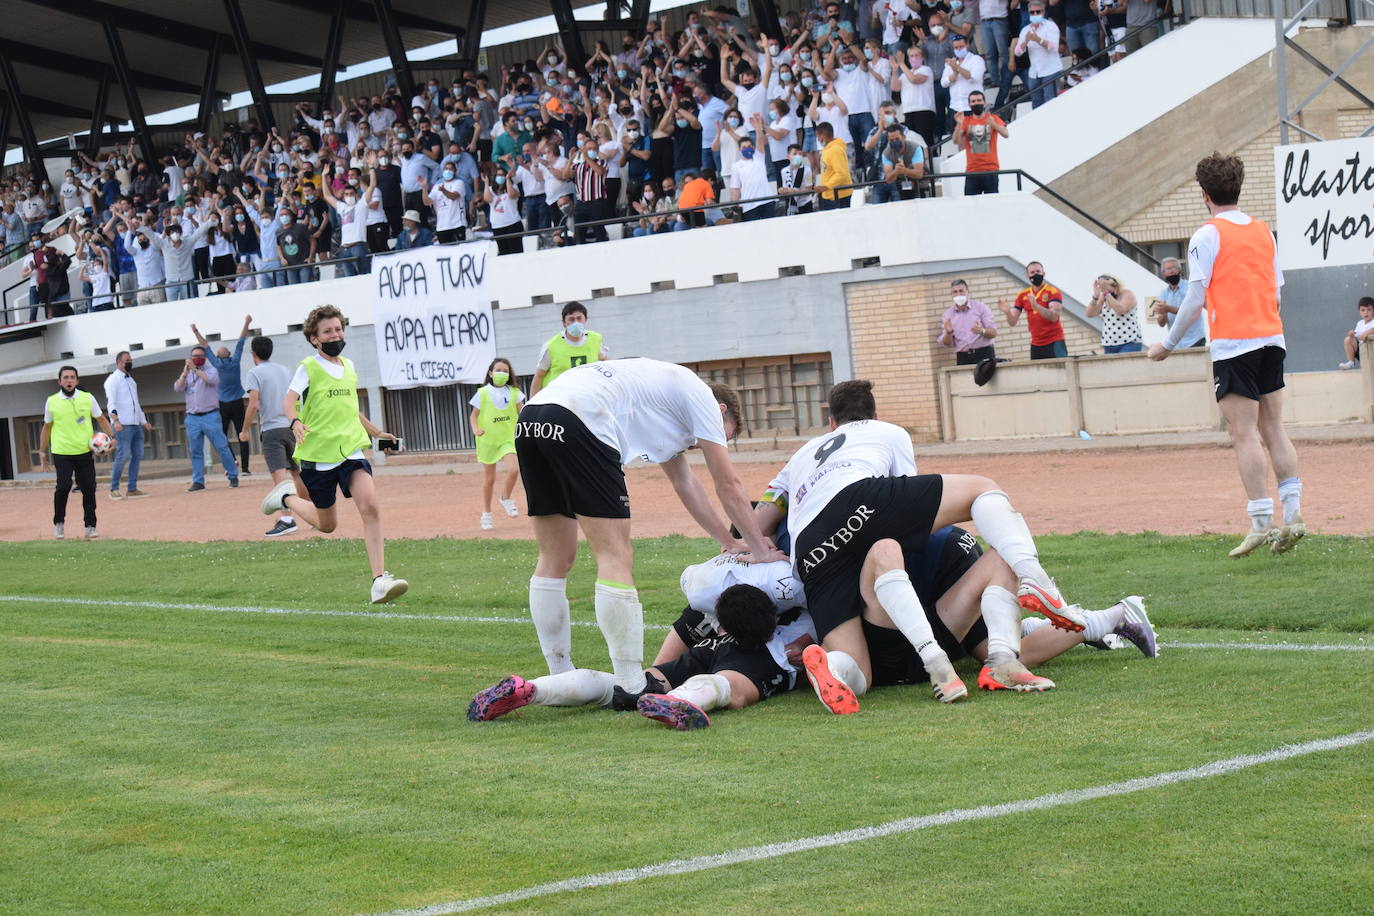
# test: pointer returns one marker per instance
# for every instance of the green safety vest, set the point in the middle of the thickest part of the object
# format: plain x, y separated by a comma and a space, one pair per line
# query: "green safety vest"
499, 438
563, 356
330, 411
72, 425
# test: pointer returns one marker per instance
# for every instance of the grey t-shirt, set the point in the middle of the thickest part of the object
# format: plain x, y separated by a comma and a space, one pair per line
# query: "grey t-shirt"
270, 381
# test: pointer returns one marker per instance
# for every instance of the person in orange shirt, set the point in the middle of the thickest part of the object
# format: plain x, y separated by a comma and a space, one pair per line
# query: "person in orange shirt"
834, 168
976, 134
1043, 305
1233, 269
696, 192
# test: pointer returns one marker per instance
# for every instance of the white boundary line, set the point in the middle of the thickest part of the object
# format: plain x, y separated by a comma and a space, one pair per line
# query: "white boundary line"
891, 828
456, 618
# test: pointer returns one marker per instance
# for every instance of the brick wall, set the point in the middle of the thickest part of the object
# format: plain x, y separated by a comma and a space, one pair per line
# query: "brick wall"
893, 325
1176, 215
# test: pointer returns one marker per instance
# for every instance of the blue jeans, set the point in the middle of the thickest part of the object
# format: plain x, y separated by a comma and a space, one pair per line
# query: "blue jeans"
208, 426
710, 159
177, 292
1132, 347
994, 41
297, 274
1042, 89
356, 260
884, 193
536, 212
1088, 35
130, 452
860, 125
269, 280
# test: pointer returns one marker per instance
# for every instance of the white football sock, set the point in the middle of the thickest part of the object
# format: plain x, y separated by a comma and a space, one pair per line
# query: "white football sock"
1002, 615
843, 666
1290, 494
286, 517
549, 609
705, 691
1098, 624
578, 687
899, 599
1004, 528
1030, 624
621, 618
1261, 512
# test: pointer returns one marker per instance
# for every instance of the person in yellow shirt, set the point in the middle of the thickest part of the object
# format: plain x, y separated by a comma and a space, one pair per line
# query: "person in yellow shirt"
494, 409
67, 420
834, 168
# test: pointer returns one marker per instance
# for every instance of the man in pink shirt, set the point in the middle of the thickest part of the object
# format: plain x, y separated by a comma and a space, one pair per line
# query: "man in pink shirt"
967, 327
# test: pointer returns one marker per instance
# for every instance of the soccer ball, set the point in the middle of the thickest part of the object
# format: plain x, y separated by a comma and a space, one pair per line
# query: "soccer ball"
101, 443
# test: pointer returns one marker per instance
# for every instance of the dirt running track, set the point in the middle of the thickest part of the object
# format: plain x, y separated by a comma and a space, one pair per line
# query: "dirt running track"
1174, 491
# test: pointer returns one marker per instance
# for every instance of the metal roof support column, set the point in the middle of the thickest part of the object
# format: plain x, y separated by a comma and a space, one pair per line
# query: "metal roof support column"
126, 83
395, 49
102, 99
248, 58
569, 31
207, 87
470, 44
766, 18
16, 106
333, 48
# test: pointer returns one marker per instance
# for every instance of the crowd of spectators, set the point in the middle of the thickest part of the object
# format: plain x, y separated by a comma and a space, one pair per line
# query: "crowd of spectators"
713, 116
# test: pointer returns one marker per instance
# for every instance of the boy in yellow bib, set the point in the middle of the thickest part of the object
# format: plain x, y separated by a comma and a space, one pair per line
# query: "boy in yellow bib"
573, 346
495, 407
331, 433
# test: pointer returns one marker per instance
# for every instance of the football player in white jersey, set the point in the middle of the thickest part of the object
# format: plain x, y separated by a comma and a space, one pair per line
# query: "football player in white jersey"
853, 500
573, 440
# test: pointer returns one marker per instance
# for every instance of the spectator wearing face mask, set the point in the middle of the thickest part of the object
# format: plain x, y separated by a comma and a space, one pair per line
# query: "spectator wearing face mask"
916, 85
418, 172
448, 197
295, 246
147, 262
710, 111
750, 177
967, 327
502, 196
797, 181
780, 131
35, 266
413, 233
199, 382
177, 256
963, 74
1043, 305
681, 123
976, 134
591, 203
1040, 39
389, 187
849, 82
835, 174
828, 108
937, 47
352, 210
902, 157
726, 144
1171, 298
638, 151
650, 202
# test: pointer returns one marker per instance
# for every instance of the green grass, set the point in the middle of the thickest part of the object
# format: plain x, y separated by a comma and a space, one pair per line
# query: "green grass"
174, 760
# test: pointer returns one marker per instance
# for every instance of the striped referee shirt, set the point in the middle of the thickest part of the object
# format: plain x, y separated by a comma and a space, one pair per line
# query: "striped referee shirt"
591, 183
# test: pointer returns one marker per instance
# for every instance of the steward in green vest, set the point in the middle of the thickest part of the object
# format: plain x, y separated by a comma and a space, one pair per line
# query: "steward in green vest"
575, 346
68, 421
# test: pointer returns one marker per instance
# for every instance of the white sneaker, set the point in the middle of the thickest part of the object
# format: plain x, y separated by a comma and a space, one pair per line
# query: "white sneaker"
510, 507
487, 523
387, 587
275, 500
1349, 364
91, 533
58, 530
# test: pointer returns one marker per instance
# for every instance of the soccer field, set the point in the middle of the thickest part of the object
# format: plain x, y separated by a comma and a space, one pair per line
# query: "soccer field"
226, 728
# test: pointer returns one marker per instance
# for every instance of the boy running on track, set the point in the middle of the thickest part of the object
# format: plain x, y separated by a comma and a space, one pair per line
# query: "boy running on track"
852, 497
331, 433
1233, 268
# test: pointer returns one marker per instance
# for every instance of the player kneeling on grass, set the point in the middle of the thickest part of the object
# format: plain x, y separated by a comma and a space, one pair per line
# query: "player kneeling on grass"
745, 660
854, 502
331, 433
971, 611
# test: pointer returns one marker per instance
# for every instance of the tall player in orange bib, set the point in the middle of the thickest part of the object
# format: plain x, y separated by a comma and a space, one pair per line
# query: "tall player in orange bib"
1233, 269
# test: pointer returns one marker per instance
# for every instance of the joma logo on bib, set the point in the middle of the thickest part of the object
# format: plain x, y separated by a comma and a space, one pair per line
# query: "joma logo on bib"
540, 431
842, 536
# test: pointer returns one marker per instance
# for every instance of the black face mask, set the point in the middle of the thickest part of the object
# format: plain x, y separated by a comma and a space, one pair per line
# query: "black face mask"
332, 347
978, 109
1037, 279
1172, 279
129, 368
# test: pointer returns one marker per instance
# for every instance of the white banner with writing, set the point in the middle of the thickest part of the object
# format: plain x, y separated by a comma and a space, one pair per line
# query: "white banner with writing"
1325, 203
433, 314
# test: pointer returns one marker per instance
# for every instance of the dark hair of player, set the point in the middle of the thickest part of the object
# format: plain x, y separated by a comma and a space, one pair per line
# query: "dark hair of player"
572, 307
852, 400
1221, 177
747, 614
262, 348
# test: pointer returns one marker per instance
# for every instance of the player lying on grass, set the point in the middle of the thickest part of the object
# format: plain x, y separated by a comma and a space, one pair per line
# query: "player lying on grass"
854, 502
751, 656
971, 611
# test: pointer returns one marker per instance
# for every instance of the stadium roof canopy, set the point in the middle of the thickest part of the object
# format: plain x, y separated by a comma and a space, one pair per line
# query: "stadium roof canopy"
68, 66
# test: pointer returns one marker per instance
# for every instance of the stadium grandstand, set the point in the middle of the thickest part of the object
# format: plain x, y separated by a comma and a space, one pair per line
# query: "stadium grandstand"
777, 194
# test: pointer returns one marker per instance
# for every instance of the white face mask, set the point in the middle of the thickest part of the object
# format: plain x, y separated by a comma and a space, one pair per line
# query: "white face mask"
961, 300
